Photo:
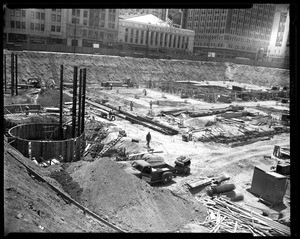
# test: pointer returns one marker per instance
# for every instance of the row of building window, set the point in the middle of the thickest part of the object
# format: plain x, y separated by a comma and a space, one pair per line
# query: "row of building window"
17, 24
17, 13
55, 18
155, 39
33, 26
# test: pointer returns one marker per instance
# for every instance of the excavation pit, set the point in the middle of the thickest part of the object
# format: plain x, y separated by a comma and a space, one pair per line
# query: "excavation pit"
43, 142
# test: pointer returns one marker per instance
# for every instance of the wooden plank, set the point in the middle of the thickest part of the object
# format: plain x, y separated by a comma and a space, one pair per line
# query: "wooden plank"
199, 183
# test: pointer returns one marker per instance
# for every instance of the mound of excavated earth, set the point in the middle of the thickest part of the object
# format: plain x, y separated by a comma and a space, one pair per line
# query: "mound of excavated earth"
32, 206
131, 202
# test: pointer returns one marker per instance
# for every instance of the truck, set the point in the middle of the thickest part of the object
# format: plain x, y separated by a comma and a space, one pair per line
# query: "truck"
152, 173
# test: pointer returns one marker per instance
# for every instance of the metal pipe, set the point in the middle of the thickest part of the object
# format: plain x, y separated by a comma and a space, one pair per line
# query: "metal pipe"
16, 69
5, 73
83, 99
12, 79
79, 102
61, 102
74, 102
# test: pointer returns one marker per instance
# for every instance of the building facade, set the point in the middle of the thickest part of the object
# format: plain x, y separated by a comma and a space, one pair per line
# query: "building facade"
80, 27
149, 32
232, 32
279, 41
160, 13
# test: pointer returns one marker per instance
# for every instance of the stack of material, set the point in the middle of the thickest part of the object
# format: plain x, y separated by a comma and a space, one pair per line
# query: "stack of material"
226, 216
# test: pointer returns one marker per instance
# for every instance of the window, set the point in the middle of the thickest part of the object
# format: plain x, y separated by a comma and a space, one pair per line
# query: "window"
42, 15
58, 28
53, 17
90, 33
18, 13
23, 25
78, 12
84, 22
18, 24
12, 12
32, 14
37, 26
42, 27
58, 10
58, 18
53, 10
85, 13
38, 15
101, 24
52, 28
23, 13
12, 24
31, 26
73, 12
84, 32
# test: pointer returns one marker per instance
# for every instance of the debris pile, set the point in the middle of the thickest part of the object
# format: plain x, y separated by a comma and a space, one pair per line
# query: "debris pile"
226, 216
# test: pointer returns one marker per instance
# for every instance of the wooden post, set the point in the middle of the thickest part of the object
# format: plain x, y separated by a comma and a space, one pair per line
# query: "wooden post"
61, 102
74, 102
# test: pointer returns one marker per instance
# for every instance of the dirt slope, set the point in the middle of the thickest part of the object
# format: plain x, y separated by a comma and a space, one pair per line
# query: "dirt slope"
102, 68
31, 206
110, 191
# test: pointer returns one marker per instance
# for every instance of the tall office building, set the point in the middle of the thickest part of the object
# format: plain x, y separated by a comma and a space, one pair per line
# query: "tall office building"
232, 32
80, 27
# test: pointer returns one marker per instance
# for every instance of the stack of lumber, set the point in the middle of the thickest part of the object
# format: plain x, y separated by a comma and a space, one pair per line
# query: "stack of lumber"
226, 216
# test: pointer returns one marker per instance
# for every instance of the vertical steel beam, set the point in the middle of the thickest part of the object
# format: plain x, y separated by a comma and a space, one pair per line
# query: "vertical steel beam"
12, 73
16, 69
79, 102
5, 86
83, 99
74, 102
61, 102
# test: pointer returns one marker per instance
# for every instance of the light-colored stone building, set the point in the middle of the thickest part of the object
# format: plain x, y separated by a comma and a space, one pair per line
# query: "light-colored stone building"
151, 32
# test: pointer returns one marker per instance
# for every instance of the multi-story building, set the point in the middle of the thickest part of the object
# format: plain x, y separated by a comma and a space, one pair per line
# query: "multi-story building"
232, 32
148, 31
80, 27
279, 41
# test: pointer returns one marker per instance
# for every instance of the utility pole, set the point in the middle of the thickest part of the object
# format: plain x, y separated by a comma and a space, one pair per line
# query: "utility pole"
12, 73
5, 73
16, 69
61, 102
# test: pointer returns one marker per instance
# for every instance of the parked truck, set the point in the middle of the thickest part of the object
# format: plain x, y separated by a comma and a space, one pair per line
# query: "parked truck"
152, 173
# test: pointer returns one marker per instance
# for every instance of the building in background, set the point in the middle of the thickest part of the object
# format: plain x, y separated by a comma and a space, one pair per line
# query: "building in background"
278, 48
79, 27
160, 13
233, 33
151, 33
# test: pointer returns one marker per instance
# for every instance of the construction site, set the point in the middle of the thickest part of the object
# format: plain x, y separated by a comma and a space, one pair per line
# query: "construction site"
97, 143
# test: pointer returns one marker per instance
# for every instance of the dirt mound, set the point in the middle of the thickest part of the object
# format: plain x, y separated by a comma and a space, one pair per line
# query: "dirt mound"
31, 206
50, 97
123, 198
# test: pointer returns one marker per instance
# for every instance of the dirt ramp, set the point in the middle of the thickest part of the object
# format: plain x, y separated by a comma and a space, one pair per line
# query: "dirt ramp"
108, 190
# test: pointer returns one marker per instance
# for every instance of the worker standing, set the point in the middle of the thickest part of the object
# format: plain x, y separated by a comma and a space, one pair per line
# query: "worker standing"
131, 105
151, 104
148, 138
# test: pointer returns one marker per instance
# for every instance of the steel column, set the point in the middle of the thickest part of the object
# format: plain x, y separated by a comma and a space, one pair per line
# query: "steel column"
61, 102
12, 70
16, 69
74, 102
5, 73
79, 102
83, 99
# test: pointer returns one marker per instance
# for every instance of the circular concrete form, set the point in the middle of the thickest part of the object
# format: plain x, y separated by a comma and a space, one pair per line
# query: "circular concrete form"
44, 142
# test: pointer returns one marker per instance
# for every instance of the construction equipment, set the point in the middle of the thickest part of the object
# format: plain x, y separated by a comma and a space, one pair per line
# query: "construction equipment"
35, 82
150, 173
282, 156
182, 165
